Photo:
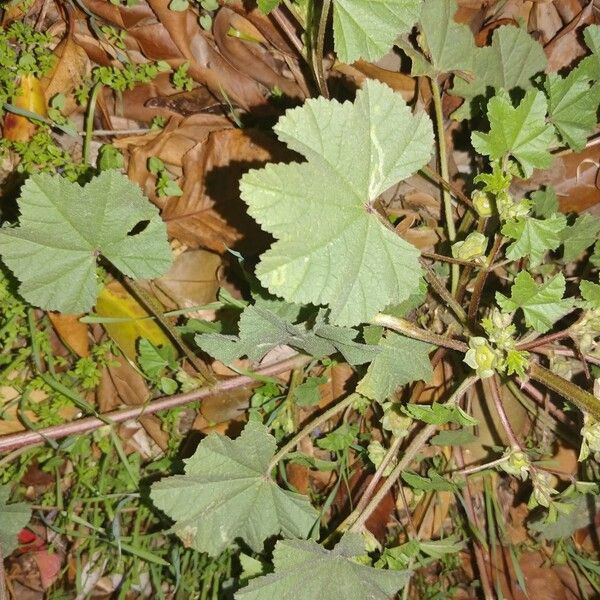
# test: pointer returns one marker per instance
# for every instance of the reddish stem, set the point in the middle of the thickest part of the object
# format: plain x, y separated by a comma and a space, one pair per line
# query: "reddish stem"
32, 438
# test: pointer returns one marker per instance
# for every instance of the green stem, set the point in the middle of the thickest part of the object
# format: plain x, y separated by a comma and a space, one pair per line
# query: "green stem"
443, 160
89, 121
569, 391
320, 420
410, 330
444, 294
356, 520
319, 71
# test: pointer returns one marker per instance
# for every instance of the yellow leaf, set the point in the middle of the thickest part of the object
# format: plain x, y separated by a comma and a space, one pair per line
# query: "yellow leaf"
115, 301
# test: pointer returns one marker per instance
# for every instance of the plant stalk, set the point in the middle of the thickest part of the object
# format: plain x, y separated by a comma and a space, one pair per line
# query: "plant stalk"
569, 391
306, 430
32, 438
319, 69
356, 520
89, 122
443, 164
410, 330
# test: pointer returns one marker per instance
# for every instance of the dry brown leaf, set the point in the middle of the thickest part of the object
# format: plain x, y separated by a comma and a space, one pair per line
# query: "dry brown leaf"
256, 59
192, 280
121, 384
68, 73
72, 332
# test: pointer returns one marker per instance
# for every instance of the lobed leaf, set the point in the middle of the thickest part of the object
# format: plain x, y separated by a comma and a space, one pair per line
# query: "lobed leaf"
62, 229
226, 493
519, 132
542, 305
332, 247
368, 28
304, 570
402, 360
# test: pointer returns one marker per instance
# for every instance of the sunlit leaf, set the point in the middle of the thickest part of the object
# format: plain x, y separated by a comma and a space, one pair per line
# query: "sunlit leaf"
332, 247
13, 517
304, 570
62, 229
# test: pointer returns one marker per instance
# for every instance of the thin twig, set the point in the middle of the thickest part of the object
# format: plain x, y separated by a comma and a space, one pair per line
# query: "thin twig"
477, 546
444, 294
410, 330
306, 430
31, 438
356, 520
495, 392
546, 339
431, 174
450, 259
482, 277
288, 29
443, 165
568, 390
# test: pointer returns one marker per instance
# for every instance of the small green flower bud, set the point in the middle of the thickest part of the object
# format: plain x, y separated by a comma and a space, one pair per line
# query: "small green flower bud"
472, 248
517, 464
481, 202
481, 357
590, 432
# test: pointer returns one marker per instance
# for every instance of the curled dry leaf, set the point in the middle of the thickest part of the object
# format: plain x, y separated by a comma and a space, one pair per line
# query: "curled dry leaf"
254, 58
212, 157
68, 73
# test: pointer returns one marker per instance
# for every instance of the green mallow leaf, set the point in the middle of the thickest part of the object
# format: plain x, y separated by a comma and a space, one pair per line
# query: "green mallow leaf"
402, 360
590, 292
62, 229
449, 45
542, 304
367, 29
439, 414
13, 517
519, 132
511, 61
226, 493
534, 237
304, 570
579, 236
572, 106
308, 392
591, 64
261, 330
266, 6
545, 202
332, 247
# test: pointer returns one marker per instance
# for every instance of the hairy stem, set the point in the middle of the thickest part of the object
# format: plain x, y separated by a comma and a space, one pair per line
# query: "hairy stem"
306, 430
569, 391
444, 294
482, 278
431, 174
443, 164
32, 438
410, 330
356, 520
319, 69
89, 121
